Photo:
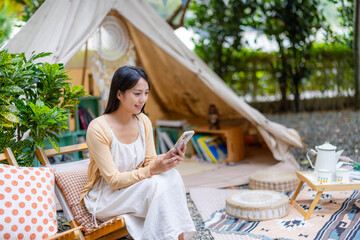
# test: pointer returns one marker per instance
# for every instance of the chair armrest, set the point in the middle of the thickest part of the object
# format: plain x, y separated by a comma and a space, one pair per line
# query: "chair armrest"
74, 233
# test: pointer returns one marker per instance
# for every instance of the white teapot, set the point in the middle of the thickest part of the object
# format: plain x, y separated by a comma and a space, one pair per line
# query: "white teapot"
326, 158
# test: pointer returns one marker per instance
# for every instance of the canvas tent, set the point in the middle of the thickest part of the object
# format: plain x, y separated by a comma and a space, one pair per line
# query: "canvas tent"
183, 86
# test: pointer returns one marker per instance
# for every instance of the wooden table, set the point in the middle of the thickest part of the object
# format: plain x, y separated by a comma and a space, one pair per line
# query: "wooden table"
234, 141
306, 177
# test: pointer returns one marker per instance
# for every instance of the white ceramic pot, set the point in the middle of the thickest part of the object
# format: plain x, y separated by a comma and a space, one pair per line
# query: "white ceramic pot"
326, 158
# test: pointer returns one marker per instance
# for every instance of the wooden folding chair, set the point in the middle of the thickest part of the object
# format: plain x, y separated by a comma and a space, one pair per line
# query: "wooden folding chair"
71, 234
76, 213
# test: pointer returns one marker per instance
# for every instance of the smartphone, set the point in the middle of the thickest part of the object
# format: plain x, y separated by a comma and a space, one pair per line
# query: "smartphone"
184, 138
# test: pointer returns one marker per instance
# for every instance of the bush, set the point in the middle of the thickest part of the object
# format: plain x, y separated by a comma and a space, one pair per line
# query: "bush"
35, 100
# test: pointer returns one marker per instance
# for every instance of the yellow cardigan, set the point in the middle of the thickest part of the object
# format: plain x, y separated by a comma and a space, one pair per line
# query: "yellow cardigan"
99, 138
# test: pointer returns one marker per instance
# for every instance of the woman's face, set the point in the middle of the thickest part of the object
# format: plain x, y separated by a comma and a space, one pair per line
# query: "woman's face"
134, 99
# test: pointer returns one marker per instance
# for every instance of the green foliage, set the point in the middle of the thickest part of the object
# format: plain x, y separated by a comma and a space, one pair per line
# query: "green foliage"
30, 7
345, 9
23, 9
356, 166
298, 66
293, 24
219, 28
164, 10
6, 23
35, 99
331, 69
253, 74
8, 110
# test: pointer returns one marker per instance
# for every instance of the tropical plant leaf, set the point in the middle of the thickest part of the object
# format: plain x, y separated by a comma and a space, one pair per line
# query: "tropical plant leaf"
11, 89
54, 144
40, 55
11, 117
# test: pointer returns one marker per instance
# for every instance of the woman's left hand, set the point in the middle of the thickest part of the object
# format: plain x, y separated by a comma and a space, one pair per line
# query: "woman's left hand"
165, 162
180, 152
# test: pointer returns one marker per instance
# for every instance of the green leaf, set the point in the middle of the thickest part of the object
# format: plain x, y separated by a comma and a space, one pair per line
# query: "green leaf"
5, 125
11, 117
77, 88
40, 55
39, 103
356, 166
11, 89
54, 144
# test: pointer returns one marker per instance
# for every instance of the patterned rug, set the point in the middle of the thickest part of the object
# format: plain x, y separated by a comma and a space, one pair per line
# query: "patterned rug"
336, 216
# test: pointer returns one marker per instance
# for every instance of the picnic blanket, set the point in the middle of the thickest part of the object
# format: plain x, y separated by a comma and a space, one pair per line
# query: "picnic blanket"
336, 216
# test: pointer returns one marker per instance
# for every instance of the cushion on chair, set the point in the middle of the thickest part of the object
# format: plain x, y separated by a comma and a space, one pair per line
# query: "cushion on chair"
27, 203
71, 183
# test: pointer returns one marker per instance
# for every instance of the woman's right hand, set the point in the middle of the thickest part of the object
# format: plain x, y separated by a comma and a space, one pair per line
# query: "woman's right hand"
164, 162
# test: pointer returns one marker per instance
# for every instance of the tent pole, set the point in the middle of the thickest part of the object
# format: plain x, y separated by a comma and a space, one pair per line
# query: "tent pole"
85, 64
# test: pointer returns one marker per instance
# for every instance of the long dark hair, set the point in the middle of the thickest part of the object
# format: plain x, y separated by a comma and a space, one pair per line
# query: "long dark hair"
124, 79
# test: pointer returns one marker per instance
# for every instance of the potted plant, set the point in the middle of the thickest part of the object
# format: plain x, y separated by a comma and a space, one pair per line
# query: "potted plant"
35, 102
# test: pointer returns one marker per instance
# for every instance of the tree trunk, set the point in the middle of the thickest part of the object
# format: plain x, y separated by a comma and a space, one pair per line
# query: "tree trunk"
357, 53
283, 103
296, 93
254, 82
283, 78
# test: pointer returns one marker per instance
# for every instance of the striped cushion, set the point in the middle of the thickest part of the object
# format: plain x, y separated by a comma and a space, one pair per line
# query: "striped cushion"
71, 183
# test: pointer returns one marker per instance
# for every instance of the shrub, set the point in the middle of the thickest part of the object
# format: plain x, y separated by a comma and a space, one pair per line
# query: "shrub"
35, 100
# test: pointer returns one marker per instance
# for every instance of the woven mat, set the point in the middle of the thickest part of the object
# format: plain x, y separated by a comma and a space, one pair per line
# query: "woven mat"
191, 166
225, 176
336, 216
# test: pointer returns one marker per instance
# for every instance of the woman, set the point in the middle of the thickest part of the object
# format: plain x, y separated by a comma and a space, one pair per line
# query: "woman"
125, 177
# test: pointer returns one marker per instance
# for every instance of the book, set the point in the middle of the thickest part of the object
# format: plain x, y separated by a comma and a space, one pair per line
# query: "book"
196, 147
161, 142
214, 148
169, 143
208, 148
172, 123
221, 149
200, 142
91, 113
82, 120
166, 137
87, 116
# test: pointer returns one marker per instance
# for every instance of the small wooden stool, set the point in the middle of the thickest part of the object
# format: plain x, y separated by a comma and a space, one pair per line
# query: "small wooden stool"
257, 205
275, 180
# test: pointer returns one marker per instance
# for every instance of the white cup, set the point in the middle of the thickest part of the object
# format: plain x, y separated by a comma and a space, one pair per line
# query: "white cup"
323, 176
342, 175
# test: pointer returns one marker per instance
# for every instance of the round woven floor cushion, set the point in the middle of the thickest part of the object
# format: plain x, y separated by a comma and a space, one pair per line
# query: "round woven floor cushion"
257, 205
275, 180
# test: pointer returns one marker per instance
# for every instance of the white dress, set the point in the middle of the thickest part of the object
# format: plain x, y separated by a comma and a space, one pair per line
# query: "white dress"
153, 208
